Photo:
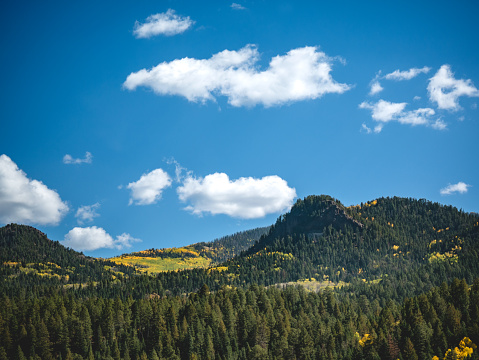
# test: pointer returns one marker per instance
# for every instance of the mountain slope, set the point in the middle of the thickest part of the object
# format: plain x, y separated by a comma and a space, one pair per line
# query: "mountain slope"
406, 246
29, 259
198, 255
374, 242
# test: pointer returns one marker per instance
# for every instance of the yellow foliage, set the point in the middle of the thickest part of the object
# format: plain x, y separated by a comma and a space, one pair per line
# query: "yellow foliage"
365, 340
218, 268
465, 349
372, 203
11, 263
54, 265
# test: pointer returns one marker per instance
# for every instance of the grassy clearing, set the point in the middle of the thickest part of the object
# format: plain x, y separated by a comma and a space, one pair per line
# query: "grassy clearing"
312, 284
157, 264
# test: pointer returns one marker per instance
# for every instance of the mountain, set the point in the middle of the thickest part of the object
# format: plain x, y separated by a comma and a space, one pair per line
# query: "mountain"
319, 242
323, 242
28, 259
389, 270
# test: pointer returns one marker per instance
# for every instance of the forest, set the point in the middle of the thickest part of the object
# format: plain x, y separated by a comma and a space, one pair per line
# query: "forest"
397, 278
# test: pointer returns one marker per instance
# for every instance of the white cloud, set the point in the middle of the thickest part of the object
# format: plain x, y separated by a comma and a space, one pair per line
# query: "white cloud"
303, 73
365, 128
460, 187
416, 117
148, 189
68, 159
245, 198
384, 111
375, 88
439, 124
87, 213
93, 238
162, 24
445, 90
27, 201
237, 6
417, 98
378, 128
406, 75
180, 171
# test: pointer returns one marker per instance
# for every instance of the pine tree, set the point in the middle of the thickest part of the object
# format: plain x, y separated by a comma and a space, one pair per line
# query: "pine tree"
3, 353
409, 353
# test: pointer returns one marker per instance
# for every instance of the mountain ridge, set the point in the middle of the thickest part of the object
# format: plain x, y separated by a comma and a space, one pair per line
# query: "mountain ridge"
322, 240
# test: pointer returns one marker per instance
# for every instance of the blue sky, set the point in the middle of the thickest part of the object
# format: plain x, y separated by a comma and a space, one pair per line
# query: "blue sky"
132, 125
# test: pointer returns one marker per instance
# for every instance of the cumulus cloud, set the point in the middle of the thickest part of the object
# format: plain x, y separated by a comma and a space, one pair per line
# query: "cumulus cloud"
385, 111
406, 75
237, 6
445, 90
460, 187
416, 117
27, 201
93, 238
378, 128
245, 198
376, 88
167, 24
439, 124
87, 213
68, 159
148, 189
303, 73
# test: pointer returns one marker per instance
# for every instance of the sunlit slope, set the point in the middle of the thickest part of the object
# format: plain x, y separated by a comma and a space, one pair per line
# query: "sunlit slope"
199, 255
158, 260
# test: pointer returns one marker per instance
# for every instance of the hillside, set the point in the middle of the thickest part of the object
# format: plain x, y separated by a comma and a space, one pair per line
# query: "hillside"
319, 242
323, 241
199, 255
30, 260
396, 260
